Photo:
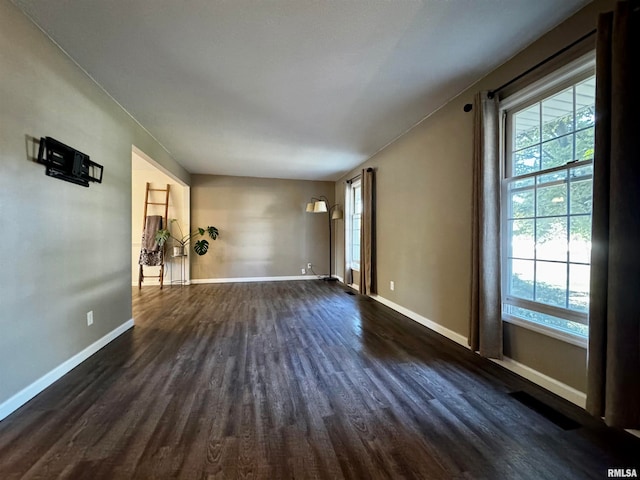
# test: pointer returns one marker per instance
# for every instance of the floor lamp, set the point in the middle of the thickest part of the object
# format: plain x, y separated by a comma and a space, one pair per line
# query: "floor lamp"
334, 212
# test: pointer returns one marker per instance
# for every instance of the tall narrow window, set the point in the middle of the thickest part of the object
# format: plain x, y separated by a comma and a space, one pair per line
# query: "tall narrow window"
546, 204
355, 214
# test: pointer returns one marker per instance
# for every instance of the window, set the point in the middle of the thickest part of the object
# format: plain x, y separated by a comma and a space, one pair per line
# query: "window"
354, 223
546, 203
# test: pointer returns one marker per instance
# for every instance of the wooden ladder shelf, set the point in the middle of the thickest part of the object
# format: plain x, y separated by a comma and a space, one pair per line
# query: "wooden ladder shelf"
141, 275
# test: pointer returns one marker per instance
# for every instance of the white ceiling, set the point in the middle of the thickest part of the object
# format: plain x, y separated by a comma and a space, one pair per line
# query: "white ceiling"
304, 89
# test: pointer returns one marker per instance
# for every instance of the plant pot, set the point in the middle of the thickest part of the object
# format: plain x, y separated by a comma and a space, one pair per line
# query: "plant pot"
178, 251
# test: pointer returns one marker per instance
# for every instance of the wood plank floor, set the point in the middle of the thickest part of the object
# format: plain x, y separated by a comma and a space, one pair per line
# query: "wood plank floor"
293, 380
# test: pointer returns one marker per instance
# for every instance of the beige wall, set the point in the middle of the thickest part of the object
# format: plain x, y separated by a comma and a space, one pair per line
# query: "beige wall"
565, 362
66, 247
264, 229
424, 184
141, 173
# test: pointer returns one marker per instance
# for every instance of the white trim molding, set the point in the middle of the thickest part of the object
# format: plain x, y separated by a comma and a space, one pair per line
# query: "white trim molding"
436, 327
561, 389
548, 331
198, 281
30, 391
580, 66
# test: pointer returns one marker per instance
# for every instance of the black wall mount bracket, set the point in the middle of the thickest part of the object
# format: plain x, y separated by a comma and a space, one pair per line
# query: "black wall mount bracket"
67, 163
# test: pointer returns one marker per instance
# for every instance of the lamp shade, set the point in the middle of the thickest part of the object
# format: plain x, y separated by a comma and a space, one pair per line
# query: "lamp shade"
337, 214
309, 207
320, 207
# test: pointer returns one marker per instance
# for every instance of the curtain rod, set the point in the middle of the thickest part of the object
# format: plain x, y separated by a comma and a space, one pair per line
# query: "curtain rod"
492, 93
349, 180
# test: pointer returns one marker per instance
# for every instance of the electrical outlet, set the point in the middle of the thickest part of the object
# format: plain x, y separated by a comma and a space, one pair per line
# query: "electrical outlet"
90, 318
392, 285
309, 266
303, 271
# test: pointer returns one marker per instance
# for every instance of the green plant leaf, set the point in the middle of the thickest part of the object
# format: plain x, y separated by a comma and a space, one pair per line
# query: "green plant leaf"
201, 247
201, 231
213, 232
162, 236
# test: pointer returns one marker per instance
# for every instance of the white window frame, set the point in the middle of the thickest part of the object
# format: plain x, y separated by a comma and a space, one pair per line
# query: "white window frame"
573, 72
349, 205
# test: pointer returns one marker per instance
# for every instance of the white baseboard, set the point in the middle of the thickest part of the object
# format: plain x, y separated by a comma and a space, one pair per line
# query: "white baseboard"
561, 389
27, 393
450, 334
196, 281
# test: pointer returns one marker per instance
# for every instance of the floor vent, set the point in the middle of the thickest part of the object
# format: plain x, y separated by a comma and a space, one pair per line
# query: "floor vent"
349, 292
546, 411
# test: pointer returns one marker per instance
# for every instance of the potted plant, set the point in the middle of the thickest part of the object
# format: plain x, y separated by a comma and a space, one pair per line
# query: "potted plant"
200, 246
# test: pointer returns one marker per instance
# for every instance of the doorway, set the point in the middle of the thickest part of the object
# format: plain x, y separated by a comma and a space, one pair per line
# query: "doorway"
145, 170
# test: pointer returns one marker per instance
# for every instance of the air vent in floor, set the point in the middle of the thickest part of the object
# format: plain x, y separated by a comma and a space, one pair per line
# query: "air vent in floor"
546, 411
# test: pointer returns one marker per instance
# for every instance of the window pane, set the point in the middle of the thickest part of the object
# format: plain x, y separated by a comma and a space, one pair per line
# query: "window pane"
557, 152
579, 287
357, 198
551, 235
551, 177
583, 171
527, 182
585, 103
557, 115
521, 238
521, 279
521, 204
580, 240
584, 144
551, 283
552, 200
526, 161
526, 127
355, 223
581, 196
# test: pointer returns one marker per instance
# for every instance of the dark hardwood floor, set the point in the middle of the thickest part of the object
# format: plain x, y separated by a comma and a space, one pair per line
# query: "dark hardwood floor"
294, 380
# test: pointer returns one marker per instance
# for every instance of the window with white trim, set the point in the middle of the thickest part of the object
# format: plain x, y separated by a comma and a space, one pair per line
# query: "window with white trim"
354, 224
548, 135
